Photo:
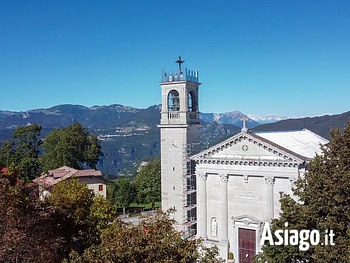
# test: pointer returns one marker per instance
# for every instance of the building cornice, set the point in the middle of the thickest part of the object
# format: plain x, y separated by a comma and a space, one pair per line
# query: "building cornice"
219, 161
284, 157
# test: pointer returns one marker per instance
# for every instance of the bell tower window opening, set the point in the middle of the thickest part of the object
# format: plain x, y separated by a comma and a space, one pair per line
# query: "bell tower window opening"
191, 101
173, 101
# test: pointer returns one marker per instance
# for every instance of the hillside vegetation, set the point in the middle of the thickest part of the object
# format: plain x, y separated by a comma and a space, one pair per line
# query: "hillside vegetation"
128, 135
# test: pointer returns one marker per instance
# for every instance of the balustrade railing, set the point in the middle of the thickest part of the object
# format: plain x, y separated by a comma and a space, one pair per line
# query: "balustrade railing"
174, 115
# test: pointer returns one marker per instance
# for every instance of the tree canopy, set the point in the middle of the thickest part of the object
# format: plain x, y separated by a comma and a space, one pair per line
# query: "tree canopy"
323, 203
81, 214
28, 230
148, 183
123, 192
153, 240
35, 230
23, 151
71, 146
73, 225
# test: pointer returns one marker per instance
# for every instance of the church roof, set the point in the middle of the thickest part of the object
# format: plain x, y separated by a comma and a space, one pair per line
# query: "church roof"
303, 142
287, 146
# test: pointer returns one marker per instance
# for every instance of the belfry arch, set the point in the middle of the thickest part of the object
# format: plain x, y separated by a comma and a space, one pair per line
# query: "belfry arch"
192, 101
173, 101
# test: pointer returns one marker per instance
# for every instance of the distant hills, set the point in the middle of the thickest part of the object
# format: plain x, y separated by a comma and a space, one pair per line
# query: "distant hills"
129, 135
115, 115
91, 117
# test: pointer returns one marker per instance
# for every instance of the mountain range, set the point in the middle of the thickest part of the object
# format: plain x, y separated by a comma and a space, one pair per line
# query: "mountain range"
236, 117
120, 114
129, 135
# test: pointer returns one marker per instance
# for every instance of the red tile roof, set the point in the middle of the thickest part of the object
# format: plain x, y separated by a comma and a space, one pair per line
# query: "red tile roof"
52, 177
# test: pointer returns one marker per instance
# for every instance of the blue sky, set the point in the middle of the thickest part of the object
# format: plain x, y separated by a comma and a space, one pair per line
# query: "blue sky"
260, 57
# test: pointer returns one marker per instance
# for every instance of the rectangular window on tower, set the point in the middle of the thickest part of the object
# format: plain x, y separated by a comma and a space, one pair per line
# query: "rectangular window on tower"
100, 187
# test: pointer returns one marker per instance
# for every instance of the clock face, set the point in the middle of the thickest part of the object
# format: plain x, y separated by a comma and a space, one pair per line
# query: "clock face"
173, 145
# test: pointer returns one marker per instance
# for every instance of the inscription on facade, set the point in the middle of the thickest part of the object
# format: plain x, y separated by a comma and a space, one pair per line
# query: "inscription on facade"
246, 194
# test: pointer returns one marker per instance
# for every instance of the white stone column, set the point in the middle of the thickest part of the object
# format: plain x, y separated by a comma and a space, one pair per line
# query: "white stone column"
270, 182
202, 221
223, 225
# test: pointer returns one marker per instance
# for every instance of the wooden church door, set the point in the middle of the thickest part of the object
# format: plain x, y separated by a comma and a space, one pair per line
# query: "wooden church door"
246, 245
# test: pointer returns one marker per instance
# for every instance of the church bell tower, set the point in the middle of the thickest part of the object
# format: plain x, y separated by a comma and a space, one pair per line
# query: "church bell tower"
180, 138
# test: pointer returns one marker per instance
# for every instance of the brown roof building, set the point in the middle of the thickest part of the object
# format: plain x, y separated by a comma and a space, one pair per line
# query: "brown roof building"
92, 178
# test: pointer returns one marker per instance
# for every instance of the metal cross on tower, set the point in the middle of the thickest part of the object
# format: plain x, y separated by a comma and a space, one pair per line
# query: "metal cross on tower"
179, 61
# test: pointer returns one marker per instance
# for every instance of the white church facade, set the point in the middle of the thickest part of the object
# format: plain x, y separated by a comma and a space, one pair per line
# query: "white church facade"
226, 193
239, 182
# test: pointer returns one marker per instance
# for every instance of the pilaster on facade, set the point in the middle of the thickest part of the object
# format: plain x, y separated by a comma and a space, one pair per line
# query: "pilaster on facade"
245, 178
224, 178
270, 182
202, 176
202, 205
223, 227
223, 223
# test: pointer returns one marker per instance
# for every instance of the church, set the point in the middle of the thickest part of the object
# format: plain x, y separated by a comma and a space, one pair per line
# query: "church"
226, 193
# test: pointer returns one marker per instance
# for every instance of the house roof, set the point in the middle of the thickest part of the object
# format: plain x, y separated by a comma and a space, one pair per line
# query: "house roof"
55, 176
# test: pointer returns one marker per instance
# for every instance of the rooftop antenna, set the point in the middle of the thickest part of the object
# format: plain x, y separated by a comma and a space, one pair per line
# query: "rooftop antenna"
179, 61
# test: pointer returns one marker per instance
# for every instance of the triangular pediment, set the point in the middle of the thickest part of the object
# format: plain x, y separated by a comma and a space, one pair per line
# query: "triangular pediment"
250, 147
247, 220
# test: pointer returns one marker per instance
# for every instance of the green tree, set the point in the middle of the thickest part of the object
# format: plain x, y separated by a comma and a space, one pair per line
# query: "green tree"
80, 215
153, 240
93, 151
71, 146
102, 213
323, 204
148, 183
23, 151
123, 193
72, 201
7, 154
